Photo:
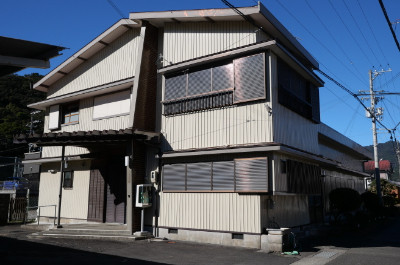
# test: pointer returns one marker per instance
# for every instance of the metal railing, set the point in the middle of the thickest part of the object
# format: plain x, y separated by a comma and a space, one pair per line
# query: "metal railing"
38, 216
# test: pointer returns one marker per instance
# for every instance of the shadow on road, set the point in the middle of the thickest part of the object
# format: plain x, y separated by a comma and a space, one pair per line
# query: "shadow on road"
14, 251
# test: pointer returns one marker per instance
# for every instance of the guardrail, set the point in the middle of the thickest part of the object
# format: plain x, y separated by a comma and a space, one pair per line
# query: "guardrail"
38, 216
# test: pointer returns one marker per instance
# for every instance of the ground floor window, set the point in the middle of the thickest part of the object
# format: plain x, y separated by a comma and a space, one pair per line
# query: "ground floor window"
68, 179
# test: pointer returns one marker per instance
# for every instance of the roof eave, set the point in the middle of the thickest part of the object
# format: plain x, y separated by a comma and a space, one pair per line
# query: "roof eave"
85, 53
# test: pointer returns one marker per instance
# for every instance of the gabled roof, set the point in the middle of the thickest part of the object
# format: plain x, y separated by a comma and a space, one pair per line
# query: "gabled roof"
384, 165
17, 54
258, 13
85, 53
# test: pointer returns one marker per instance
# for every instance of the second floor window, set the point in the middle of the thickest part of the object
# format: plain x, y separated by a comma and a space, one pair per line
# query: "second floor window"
70, 113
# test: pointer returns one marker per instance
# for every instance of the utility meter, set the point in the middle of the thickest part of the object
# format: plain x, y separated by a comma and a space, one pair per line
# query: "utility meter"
143, 195
153, 176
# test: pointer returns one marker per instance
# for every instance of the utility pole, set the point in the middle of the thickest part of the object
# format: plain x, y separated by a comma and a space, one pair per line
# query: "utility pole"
375, 114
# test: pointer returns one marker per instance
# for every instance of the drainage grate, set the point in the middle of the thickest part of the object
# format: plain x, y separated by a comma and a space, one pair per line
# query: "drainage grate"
325, 254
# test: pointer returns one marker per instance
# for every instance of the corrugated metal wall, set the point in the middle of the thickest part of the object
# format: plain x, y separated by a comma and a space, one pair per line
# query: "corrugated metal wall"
211, 211
347, 160
75, 200
184, 41
114, 62
240, 124
335, 180
280, 179
289, 127
289, 211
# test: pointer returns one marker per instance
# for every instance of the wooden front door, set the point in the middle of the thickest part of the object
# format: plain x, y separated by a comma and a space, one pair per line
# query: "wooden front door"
107, 194
116, 194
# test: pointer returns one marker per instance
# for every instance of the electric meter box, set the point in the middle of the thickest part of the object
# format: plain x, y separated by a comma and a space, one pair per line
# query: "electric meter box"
143, 195
153, 176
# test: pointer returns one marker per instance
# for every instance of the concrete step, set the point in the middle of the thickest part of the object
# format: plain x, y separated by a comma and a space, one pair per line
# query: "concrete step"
90, 235
86, 231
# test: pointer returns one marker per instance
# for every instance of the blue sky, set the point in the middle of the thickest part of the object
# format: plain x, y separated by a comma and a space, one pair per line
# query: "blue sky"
347, 37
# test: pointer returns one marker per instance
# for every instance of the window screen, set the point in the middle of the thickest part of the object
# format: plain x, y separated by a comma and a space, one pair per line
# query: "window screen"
222, 77
54, 116
175, 86
174, 177
199, 176
112, 105
251, 174
250, 78
223, 176
199, 82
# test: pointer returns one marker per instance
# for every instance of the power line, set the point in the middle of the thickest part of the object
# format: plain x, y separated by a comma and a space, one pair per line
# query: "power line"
389, 23
362, 81
360, 31
372, 32
351, 34
340, 47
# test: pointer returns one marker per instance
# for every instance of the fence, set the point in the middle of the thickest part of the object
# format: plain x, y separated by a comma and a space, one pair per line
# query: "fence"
17, 209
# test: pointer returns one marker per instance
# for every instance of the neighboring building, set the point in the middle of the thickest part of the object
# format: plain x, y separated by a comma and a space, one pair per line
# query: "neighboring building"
230, 120
17, 55
385, 168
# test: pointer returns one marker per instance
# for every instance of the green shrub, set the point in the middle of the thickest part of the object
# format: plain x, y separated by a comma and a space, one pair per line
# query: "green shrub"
371, 202
388, 201
397, 200
344, 200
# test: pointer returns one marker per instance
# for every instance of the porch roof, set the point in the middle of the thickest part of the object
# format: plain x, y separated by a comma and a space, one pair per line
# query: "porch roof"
83, 138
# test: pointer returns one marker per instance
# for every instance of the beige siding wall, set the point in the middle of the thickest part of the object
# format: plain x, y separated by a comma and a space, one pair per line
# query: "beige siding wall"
236, 125
55, 151
184, 41
289, 211
114, 62
289, 127
75, 200
211, 211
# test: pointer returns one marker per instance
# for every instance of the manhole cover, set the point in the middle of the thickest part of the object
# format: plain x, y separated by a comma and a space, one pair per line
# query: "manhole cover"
325, 254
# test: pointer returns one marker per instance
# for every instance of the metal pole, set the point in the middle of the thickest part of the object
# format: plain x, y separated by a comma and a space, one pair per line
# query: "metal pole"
61, 184
15, 167
142, 222
376, 159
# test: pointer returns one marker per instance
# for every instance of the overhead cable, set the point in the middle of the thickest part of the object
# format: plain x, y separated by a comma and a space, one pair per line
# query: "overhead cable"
389, 23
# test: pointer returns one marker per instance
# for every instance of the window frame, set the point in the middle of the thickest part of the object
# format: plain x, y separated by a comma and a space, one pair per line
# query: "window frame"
63, 113
180, 104
70, 186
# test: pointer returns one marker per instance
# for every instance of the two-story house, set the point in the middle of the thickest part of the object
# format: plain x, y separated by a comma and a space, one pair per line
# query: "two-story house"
234, 106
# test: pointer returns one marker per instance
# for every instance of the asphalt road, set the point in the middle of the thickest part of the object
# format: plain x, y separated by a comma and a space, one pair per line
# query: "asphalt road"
378, 245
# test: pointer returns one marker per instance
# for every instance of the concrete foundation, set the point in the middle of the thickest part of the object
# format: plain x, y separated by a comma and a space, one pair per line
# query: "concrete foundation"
276, 240
62, 220
249, 241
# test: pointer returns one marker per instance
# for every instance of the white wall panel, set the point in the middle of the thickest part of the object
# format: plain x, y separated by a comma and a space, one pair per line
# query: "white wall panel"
75, 200
114, 62
184, 41
86, 122
112, 104
211, 211
237, 125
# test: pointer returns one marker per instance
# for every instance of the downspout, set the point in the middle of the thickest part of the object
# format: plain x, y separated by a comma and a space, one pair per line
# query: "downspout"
158, 185
134, 94
61, 185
